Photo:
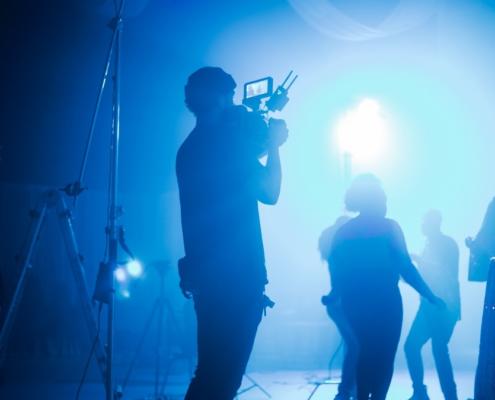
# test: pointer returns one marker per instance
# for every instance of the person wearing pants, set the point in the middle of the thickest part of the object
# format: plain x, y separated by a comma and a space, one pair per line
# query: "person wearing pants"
439, 265
368, 256
333, 304
221, 180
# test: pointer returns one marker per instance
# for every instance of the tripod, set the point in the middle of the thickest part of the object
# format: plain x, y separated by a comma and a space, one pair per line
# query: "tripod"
328, 381
52, 200
160, 306
253, 385
104, 292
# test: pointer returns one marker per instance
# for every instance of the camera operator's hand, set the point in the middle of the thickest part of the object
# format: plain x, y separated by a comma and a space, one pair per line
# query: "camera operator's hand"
185, 277
278, 132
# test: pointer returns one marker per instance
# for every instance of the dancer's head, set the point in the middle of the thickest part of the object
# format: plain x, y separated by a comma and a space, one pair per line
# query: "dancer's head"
432, 223
366, 196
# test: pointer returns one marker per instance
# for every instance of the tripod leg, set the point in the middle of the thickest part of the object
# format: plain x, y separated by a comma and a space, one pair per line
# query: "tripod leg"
38, 217
159, 349
140, 344
315, 389
256, 384
175, 325
76, 264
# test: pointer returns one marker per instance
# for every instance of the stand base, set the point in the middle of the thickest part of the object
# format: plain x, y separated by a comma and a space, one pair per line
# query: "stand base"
321, 382
254, 385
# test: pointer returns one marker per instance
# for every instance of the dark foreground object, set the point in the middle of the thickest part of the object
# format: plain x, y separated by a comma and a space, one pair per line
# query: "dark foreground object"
485, 373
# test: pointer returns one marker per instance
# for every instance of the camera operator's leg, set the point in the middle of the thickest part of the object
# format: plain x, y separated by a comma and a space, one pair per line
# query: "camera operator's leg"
244, 322
209, 346
226, 332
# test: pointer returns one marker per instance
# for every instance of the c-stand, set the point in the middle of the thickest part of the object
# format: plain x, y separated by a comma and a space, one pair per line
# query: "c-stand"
161, 309
53, 199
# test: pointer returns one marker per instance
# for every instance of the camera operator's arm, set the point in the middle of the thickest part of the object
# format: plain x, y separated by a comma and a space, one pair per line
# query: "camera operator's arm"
271, 174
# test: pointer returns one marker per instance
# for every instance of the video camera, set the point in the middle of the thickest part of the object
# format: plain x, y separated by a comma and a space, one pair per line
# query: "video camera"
259, 95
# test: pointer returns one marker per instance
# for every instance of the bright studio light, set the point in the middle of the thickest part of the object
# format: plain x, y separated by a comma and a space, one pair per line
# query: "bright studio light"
120, 275
134, 268
362, 132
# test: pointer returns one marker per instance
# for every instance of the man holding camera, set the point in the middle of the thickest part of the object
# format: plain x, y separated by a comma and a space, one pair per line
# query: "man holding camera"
221, 180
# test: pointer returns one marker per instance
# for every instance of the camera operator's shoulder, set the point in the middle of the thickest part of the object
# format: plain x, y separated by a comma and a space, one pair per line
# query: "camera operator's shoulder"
256, 122
179, 158
251, 131
249, 119
184, 151
183, 148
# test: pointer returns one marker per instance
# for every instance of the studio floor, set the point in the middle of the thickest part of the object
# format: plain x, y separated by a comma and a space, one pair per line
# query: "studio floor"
280, 385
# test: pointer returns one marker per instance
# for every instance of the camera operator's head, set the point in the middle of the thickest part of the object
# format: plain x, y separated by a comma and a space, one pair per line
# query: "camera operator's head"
366, 196
208, 92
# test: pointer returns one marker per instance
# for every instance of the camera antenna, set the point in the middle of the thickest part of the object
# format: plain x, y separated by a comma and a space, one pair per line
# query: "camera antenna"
279, 98
286, 79
291, 82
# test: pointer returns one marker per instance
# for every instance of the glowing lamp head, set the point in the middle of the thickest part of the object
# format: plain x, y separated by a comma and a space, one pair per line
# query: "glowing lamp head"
120, 275
362, 132
134, 268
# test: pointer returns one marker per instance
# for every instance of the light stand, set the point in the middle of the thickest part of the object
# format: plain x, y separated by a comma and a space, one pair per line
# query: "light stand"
114, 211
105, 287
253, 385
326, 381
161, 308
53, 200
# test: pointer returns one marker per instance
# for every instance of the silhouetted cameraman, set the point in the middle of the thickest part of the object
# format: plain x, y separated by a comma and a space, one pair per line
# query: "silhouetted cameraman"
220, 182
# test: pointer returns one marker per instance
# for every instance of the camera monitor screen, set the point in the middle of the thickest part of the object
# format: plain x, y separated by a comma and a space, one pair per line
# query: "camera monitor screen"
258, 89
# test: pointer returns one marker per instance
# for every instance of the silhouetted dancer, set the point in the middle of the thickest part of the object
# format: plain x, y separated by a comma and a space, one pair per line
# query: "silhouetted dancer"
333, 304
439, 266
368, 257
220, 182
482, 268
